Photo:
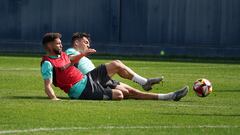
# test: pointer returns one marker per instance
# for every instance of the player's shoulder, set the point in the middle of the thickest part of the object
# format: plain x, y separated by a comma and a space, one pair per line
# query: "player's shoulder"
71, 51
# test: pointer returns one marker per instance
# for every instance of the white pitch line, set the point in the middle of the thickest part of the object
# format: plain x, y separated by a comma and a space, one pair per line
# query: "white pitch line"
115, 127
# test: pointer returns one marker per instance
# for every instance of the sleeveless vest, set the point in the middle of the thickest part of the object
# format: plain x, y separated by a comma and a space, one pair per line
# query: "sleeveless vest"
65, 75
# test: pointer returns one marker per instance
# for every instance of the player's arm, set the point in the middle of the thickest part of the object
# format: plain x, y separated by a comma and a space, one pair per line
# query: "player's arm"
49, 90
47, 74
75, 58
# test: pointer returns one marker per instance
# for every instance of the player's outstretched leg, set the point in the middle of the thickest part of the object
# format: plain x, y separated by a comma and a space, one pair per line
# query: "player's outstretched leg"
117, 67
133, 93
181, 93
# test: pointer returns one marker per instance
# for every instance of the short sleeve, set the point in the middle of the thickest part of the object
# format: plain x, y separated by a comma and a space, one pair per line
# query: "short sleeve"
47, 70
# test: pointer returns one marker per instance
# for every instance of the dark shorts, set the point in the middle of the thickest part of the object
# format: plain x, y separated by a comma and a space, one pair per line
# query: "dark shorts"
99, 85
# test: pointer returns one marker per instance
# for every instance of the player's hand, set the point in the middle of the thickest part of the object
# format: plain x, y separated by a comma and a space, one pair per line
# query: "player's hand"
89, 52
55, 99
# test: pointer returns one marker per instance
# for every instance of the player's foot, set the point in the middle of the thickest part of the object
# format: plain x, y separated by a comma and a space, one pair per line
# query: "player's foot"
151, 82
181, 93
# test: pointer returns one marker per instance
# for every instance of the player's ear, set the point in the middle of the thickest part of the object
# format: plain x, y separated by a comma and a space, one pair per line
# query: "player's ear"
49, 47
76, 42
46, 48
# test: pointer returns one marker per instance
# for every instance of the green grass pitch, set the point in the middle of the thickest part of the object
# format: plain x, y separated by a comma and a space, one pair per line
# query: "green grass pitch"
24, 108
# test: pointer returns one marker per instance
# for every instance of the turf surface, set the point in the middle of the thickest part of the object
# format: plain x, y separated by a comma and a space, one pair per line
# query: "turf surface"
24, 108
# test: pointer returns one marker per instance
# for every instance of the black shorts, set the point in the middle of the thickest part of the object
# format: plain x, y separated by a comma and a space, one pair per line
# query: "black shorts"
99, 85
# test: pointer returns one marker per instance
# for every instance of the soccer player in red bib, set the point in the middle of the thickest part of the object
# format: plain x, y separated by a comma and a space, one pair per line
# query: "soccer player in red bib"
57, 69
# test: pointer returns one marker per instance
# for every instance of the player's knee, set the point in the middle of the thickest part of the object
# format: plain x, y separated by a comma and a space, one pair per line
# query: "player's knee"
125, 92
118, 95
116, 63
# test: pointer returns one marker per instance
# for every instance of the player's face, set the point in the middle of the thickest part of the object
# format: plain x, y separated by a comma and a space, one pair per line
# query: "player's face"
83, 44
55, 47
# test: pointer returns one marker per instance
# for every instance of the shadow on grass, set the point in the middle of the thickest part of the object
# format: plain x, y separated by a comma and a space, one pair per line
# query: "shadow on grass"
32, 97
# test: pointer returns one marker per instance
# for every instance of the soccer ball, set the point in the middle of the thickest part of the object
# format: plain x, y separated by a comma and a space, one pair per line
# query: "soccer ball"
202, 87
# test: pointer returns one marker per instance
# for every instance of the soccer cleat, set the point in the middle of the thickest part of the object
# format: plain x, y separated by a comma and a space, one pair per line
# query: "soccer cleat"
151, 82
181, 93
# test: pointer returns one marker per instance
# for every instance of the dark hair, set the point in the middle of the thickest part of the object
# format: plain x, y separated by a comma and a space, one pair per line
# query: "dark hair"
78, 35
50, 37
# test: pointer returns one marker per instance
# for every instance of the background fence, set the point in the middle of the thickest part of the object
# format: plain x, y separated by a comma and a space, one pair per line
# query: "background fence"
179, 27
